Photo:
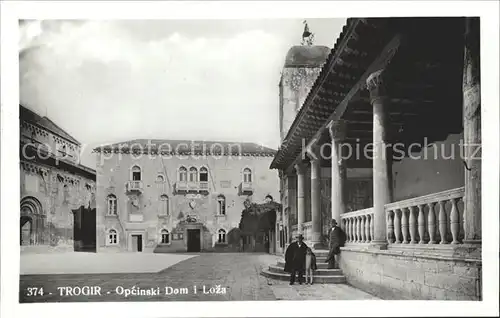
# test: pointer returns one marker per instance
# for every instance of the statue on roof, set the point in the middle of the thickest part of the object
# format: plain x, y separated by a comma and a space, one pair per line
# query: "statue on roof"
307, 36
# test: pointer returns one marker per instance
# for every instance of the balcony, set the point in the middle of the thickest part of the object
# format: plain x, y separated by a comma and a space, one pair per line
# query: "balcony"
135, 186
203, 186
193, 187
181, 187
246, 188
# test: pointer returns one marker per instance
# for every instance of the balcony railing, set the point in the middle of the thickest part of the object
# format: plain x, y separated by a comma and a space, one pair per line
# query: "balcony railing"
181, 186
432, 219
135, 186
193, 186
203, 186
358, 226
246, 188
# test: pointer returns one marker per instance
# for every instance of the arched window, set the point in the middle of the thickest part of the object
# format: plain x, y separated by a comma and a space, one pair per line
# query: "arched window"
247, 175
164, 206
112, 237
160, 178
193, 174
222, 236
136, 173
221, 205
165, 237
203, 174
182, 174
112, 208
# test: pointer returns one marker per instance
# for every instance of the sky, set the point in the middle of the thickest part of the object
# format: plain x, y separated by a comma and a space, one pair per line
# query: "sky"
117, 80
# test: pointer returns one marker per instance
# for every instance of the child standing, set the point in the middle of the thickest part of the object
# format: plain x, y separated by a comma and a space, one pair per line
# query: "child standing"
310, 265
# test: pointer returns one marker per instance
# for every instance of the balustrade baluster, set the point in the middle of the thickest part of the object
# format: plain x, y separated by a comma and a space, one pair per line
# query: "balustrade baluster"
346, 229
404, 225
442, 223
397, 226
413, 225
372, 227
390, 226
431, 223
454, 221
367, 229
358, 229
349, 226
362, 229
353, 228
421, 223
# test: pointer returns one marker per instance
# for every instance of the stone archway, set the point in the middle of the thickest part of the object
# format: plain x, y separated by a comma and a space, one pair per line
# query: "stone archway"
32, 222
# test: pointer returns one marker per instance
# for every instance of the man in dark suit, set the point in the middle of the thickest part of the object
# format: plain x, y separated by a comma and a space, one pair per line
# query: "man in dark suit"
337, 240
295, 259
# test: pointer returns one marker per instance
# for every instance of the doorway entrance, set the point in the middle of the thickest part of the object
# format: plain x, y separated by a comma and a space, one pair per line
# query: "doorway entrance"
26, 225
193, 240
137, 243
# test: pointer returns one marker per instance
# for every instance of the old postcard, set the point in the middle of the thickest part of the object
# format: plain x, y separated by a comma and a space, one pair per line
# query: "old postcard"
201, 159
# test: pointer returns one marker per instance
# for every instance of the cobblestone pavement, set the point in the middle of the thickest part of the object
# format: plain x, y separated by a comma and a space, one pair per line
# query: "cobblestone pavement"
237, 275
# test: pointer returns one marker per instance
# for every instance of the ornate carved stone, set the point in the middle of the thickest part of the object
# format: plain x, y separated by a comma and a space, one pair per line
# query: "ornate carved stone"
376, 84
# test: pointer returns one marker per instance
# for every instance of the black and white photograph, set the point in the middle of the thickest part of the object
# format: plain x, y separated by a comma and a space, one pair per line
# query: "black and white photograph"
177, 155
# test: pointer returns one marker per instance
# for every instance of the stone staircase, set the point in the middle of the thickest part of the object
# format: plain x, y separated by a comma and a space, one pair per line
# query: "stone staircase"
322, 275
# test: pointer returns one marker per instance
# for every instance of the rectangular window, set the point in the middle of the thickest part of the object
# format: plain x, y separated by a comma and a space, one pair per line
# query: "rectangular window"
203, 177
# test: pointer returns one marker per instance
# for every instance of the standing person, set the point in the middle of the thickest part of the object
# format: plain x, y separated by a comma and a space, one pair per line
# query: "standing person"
295, 259
337, 240
310, 266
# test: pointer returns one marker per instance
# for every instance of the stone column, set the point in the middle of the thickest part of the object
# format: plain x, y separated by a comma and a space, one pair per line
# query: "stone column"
316, 201
292, 203
381, 162
472, 133
301, 204
337, 134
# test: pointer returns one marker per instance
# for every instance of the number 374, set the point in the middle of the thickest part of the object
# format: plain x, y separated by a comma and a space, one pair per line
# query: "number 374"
34, 291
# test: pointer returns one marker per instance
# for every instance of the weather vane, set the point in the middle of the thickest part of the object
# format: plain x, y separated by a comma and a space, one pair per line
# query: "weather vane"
307, 36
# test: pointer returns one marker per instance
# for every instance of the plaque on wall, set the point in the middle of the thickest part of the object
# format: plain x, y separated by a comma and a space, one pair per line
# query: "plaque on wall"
225, 184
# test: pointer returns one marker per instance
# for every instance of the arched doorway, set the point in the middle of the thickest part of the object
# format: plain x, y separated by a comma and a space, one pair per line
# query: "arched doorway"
32, 221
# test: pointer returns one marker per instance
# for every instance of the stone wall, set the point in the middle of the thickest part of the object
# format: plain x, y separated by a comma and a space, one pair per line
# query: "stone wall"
49, 197
391, 275
225, 177
430, 171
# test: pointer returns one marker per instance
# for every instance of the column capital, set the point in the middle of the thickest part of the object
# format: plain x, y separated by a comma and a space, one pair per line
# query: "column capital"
300, 168
337, 129
376, 85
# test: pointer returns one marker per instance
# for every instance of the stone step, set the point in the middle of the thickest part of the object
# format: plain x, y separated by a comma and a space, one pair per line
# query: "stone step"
319, 272
320, 264
330, 279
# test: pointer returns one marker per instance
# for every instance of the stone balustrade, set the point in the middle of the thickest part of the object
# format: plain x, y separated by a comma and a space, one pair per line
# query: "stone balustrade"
432, 219
358, 226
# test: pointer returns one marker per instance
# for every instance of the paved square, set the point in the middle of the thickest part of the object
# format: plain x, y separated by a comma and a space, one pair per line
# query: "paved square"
97, 263
205, 277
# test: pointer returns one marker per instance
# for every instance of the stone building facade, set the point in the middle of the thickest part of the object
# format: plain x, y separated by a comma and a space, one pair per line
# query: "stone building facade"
57, 192
394, 122
187, 196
